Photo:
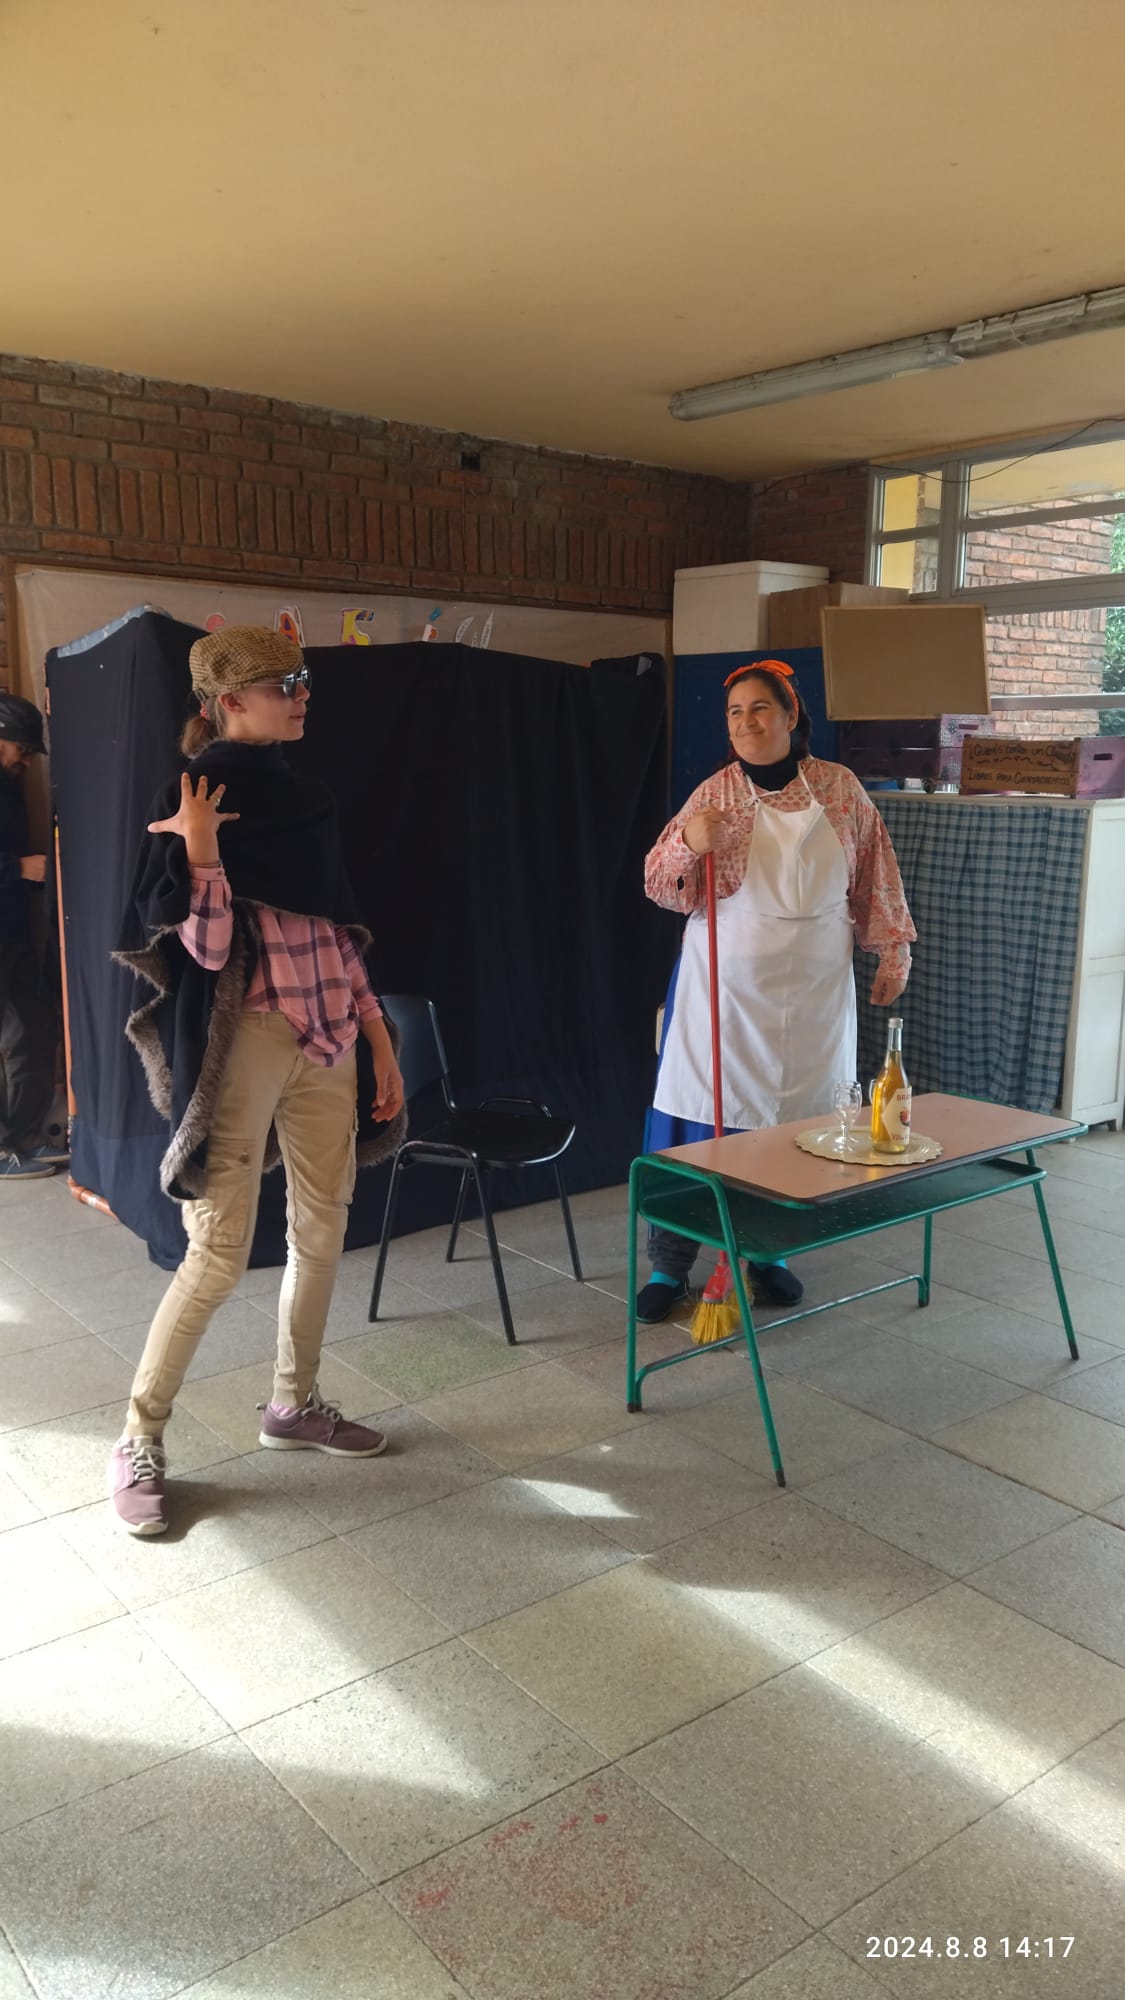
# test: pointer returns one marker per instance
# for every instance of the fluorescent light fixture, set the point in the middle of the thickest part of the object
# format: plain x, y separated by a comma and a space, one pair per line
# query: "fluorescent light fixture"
817, 378
1089, 312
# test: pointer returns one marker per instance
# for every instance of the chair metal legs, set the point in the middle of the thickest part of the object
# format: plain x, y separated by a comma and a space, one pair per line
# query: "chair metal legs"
494, 1253
458, 1212
470, 1172
385, 1238
570, 1236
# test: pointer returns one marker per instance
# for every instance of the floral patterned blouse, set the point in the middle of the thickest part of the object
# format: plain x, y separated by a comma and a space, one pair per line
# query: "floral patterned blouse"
674, 875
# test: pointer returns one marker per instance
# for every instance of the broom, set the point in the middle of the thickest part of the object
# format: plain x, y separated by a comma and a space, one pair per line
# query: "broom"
716, 1315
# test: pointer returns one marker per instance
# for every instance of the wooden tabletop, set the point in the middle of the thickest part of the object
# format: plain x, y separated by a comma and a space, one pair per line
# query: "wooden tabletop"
769, 1163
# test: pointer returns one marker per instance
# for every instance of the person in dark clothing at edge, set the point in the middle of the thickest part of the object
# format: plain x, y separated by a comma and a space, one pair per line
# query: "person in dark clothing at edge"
27, 1013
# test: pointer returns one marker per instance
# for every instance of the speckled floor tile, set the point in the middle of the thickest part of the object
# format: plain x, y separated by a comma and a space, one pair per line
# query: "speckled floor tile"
419, 1261
90, 1710
223, 1519
1099, 1389
901, 1382
711, 1371
1011, 1875
597, 1892
817, 1970
63, 1463
1072, 1580
812, 1792
999, 1696
794, 1577
48, 1590
142, 1888
580, 1654
46, 1382
1085, 1797
422, 1463
16, 1509
484, 1552
937, 1506
532, 1414
28, 1318
649, 1487
1076, 1458
559, 1319
360, 1951
420, 1357
1014, 1345
409, 1761
118, 1299
269, 1638
818, 1434
13, 1985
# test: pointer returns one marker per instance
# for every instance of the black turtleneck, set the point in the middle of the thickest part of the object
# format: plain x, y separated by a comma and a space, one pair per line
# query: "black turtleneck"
772, 777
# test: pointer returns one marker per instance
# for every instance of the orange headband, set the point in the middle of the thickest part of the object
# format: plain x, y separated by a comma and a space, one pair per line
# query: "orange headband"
760, 667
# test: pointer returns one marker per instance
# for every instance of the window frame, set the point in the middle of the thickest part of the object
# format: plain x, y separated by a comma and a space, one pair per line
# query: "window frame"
953, 527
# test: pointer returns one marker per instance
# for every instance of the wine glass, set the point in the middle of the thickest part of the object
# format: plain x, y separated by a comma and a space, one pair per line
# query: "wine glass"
847, 1102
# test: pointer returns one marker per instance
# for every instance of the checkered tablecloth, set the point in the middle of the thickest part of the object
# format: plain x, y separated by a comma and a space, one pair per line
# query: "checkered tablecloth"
994, 892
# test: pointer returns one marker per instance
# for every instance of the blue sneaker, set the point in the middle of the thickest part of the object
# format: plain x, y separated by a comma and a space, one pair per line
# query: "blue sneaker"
24, 1167
53, 1153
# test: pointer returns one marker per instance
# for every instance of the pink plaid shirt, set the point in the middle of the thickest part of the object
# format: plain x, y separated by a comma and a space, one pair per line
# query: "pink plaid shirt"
308, 969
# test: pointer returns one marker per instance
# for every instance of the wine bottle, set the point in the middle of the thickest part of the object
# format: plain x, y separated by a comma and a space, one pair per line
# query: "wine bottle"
890, 1098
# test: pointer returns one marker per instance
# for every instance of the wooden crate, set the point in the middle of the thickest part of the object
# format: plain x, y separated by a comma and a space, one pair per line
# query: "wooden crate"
1078, 767
928, 747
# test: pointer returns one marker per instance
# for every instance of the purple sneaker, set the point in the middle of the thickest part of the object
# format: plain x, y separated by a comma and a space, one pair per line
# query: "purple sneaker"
136, 1485
318, 1427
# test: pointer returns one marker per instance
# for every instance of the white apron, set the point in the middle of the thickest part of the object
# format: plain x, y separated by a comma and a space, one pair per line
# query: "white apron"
786, 986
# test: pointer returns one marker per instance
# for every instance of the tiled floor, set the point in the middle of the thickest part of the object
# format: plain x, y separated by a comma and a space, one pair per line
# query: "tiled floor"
557, 1703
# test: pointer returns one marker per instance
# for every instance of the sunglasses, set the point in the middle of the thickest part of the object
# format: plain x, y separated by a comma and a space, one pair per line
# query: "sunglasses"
300, 677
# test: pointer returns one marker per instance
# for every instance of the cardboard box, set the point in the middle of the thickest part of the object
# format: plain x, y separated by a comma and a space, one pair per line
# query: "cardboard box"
929, 748
904, 660
722, 607
1080, 767
794, 615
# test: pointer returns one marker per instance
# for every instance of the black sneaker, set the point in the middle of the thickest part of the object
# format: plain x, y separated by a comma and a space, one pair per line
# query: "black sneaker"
656, 1300
775, 1285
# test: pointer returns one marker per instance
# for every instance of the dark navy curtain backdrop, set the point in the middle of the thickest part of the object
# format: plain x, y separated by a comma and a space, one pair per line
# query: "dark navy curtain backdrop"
496, 812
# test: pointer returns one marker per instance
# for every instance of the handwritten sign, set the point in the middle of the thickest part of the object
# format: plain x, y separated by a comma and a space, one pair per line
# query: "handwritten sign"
1076, 766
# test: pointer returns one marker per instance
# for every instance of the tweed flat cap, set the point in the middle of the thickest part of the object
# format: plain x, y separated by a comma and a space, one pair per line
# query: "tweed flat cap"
237, 655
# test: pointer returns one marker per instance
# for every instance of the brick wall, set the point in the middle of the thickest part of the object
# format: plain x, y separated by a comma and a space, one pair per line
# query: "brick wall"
1053, 651
147, 475
813, 517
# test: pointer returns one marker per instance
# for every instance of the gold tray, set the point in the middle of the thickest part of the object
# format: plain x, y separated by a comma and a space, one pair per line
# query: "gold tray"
861, 1153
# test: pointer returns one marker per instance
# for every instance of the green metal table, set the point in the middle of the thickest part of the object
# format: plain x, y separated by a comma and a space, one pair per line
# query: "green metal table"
758, 1196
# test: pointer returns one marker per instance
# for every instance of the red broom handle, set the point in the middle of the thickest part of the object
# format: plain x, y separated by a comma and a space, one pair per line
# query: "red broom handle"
713, 978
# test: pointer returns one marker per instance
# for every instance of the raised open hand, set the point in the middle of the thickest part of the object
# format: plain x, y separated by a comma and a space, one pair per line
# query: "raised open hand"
198, 819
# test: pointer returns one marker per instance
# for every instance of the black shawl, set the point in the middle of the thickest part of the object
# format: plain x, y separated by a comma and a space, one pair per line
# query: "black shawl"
282, 852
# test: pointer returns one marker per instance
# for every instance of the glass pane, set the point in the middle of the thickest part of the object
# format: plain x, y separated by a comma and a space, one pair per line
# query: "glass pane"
1057, 652
1037, 551
911, 500
1048, 478
910, 565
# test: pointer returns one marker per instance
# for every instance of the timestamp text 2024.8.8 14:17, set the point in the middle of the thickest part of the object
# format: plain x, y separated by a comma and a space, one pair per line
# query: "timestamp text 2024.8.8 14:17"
1058, 1946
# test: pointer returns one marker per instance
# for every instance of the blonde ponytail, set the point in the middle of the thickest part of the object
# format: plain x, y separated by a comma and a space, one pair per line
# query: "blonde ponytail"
202, 728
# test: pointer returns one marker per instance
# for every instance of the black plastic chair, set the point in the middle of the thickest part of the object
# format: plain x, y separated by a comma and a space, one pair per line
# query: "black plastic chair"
500, 1132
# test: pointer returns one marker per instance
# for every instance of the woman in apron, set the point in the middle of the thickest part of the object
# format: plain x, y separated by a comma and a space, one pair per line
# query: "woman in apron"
803, 866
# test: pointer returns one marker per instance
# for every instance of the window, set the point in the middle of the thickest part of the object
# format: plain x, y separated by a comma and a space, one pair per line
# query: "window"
1037, 535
